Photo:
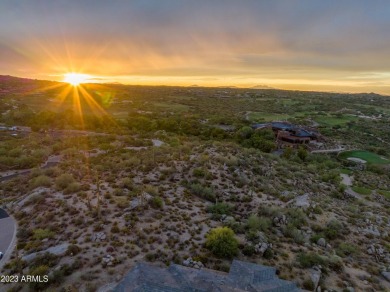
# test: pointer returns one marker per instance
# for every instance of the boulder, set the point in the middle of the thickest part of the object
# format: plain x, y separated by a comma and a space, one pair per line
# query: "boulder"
386, 275
280, 220
99, 237
315, 276
192, 264
321, 242
108, 260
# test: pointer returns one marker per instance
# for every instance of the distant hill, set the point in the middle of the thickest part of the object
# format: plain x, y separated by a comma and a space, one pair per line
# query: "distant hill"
262, 87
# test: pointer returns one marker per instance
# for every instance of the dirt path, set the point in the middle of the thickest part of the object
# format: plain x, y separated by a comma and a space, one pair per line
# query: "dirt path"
346, 179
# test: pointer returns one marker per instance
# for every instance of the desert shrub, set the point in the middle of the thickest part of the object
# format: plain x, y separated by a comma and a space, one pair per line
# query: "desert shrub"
39, 271
151, 190
302, 153
294, 233
42, 234
23, 234
346, 249
156, 203
308, 285
64, 180
268, 254
220, 209
335, 263
115, 228
199, 172
235, 226
127, 183
268, 211
296, 217
333, 229
252, 235
308, 260
203, 192
258, 223
150, 257
73, 187
316, 237
222, 242
41, 181
248, 250
46, 259
73, 249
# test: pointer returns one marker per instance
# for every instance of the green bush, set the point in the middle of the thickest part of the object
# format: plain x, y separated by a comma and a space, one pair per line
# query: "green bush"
199, 172
41, 181
346, 249
268, 254
258, 223
203, 192
127, 183
308, 260
222, 242
220, 209
73, 187
39, 271
73, 249
42, 234
296, 217
248, 250
333, 229
156, 203
64, 180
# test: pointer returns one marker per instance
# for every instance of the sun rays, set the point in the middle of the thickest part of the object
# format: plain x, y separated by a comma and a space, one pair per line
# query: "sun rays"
76, 79
87, 102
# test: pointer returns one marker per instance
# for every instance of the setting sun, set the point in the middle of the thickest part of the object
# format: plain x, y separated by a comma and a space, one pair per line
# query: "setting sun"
76, 78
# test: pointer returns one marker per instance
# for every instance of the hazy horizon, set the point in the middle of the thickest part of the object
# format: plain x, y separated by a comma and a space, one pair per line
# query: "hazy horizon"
295, 45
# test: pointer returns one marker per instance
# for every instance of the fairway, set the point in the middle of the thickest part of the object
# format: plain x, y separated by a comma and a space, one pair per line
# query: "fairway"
334, 121
365, 155
267, 117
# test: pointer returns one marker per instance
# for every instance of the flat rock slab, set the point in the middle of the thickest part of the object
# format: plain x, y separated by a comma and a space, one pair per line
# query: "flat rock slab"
56, 250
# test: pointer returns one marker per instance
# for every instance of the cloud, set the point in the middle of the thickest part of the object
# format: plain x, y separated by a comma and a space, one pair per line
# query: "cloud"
300, 39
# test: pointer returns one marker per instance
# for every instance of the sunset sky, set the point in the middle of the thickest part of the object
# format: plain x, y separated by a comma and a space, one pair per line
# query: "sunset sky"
332, 45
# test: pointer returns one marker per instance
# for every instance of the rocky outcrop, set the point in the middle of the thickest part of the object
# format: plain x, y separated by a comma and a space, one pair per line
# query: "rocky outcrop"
261, 247
192, 264
99, 237
56, 250
108, 260
376, 250
315, 276
280, 220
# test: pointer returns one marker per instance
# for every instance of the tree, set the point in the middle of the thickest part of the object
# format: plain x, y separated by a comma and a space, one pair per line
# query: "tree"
244, 133
222, 242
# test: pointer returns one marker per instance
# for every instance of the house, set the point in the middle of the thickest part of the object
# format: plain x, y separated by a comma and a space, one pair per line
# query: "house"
243, 276
289, 134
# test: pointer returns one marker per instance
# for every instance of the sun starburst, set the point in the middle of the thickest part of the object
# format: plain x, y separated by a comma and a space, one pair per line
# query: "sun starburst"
76, 79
